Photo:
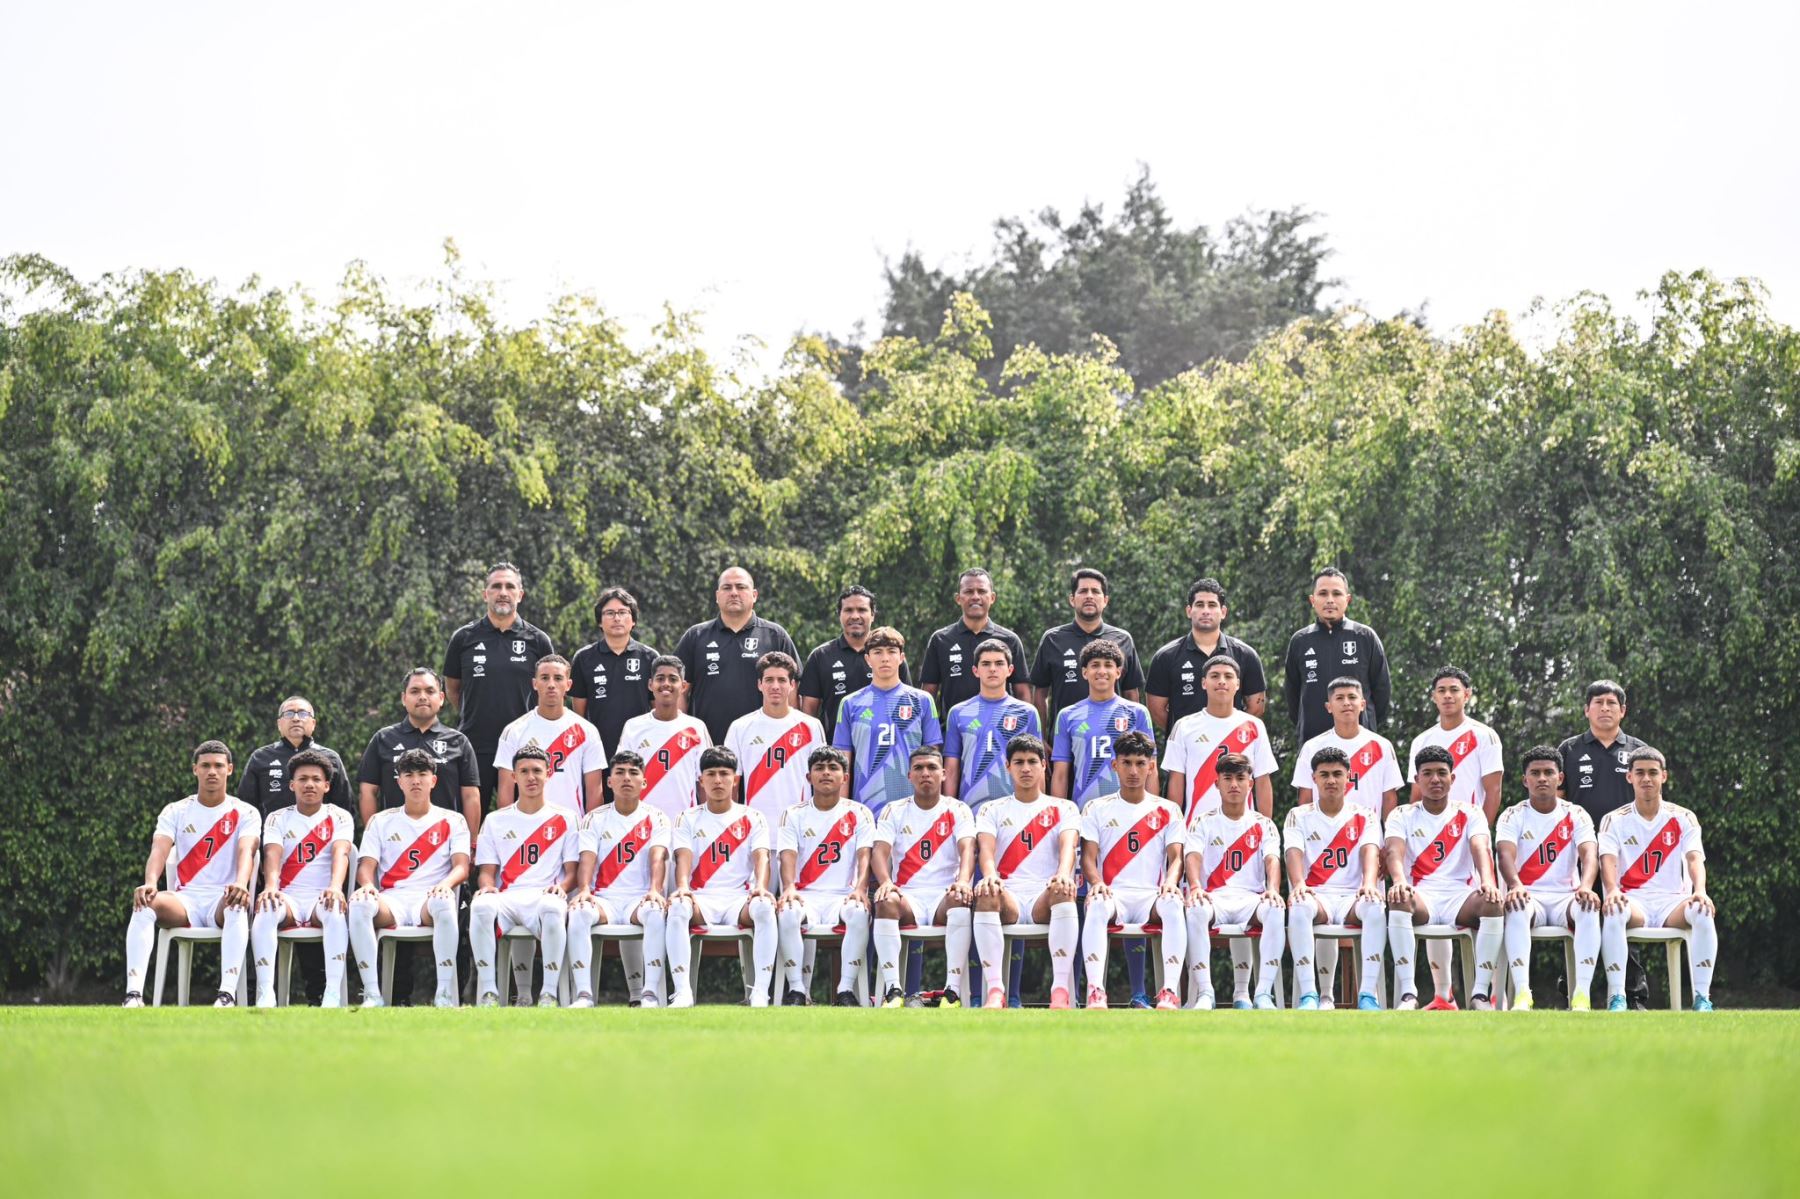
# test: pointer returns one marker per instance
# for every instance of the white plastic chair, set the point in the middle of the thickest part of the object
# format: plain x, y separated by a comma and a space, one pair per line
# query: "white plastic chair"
1352, 933
388, 940
1504, 982
711, 934
285, 940
913, 939
616, 933
1673, 940
827, 936
503, 967
1462, 943
1252, 933
183, 940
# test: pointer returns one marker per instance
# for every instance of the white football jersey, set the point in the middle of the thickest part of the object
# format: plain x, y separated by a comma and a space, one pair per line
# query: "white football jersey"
306, 845
414, 853
825, 844
1027, 839
926, 842
1134, 839
207, 839
1372, 766
621, 846
1546, 843
574, 748
1331, 846
671, 753
772, 753
1439, 856
1473, 746
1652, 853
1195, 745
722, 844
530, 848
1232, 851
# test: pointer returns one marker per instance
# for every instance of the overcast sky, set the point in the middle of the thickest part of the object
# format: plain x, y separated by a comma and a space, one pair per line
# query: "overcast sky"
758, 162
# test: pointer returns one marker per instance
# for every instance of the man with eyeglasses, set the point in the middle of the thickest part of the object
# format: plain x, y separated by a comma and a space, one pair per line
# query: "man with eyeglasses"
611, 674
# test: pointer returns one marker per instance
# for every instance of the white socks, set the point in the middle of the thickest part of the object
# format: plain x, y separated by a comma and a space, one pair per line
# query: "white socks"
1612, 950
362, 943
990, 947
443, 945
235, 926
262, 944
1094, 941
887, 954
678, 951
1065, 932
483, 942
1301, 914
1518, 946
1405, 947
652, 953
552, 932
581, 951
1273, 943
1703, 947
793, 952
957, 931
1199, 952
763, 935
1374, 940
140, 940
1488, 935
854, 950
1587, 950
1174, 942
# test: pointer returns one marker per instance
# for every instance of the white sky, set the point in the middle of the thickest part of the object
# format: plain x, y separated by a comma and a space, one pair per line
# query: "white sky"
758, 162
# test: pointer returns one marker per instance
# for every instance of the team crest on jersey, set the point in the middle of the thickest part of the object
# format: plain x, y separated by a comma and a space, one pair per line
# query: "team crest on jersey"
1463, 745
943, 828
1349, 648
1121, 723
632, 664
846, 826
1669, 839
904, 711
795, 739
1243, 735
1009, 724
570, 739
1365, 757
434, 836
438, 747
1155, 821
1622, 755
1046, 820
749, 645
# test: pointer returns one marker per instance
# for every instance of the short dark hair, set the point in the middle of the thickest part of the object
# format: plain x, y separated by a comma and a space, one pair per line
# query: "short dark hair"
1205, 583
662, 660
885, 637
827, 753
625, 757
500, 566
993, 645
616, 593
1330, 572
1342, 681
211, 747
1540, 753
1453, 672
1235, 765
1433, 753
310, 757
1331, 755
1646, 753
552, 659
856, 589
975, 572
776, 660
1103, 647
415, 761
716, 757
1600, 687
530, 753
925, 751
415, 672
1221, 660
1134, 745
1088, 572
1027, 743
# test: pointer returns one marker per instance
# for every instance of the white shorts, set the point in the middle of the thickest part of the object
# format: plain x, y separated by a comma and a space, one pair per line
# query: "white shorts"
408, 906
822, 911
305, 907
616, 907
201, 904
923, 903
518, 909
1132, 905
1025, 892
719, 907
1441, 907
1339, 907
1553, 909
1233, 905
1658, 908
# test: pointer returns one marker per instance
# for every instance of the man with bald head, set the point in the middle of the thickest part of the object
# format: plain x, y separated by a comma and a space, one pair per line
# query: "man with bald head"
720, 655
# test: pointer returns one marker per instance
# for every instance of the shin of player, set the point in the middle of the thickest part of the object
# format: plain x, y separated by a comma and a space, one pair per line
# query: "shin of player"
1233, 863
1131, 856
527, 857
824, 845
721, 877
1026, 844
306, 858
1548, 860
1332, 849
622, 874
923, 860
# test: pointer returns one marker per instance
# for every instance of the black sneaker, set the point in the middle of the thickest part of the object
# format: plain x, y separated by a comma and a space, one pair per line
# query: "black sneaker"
796, 999
847, 999
225, 999
133, 999
634, 1003
895, 997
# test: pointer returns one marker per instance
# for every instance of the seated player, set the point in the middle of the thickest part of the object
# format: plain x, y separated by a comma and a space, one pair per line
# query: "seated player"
1442, 873
1234, 877
824, 844
1333, 853
1653, 867
306, 858
931, 883
1131, 854
623, 869
721, 877
213, 836
419, 856
527, 859
1026, 843
1548, 859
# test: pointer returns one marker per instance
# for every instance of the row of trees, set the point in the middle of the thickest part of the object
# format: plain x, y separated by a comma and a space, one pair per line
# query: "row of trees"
211, 499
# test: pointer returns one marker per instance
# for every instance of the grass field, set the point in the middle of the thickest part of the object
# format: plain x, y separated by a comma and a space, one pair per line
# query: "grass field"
99, 1101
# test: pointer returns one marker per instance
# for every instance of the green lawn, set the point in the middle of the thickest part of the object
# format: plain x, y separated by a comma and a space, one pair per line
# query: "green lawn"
490, 1103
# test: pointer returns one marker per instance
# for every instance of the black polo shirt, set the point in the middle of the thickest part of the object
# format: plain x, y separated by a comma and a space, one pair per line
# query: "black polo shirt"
456, 766
1594, 775
1174, 673
1057, 665
616, 687
264, 782
1319, 653
949, 662
834, 670
495, 668
721, 668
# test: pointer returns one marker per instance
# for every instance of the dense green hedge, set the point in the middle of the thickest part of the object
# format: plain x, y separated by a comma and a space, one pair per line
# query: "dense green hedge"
209, 500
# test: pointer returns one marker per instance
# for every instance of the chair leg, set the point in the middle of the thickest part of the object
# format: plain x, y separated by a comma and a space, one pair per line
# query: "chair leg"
1569, 966
1467, 956
1674, 956
184, 970
162, 965
502, 970
388, 947
284, 961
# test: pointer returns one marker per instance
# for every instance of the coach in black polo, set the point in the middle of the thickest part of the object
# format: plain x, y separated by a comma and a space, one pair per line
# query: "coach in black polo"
947, 670
458, 785
611, 676
1056, 680
720, 655
488, 667
1172, 686
264, 783
841, 665
1334, 646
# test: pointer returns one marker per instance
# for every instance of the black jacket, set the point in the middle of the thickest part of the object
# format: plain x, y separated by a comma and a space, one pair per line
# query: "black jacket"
1319, 653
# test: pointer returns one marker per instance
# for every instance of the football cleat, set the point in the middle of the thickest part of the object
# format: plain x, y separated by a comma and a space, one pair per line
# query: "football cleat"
446, 999
1481, 1003
1203, 1002
266, 998
331, 999
1059, 999
1366, 1002
1408, 1003
634, 1003
1617, 1003
846, 999
522, 997
488, 999
133, 999
1265, 1002
1096, 998
996, 999
1242, 1005
1521, 1001
582, 1000
895, 997
1580, 1003
372, 999
682, 999
1167, 1001
1327, 1003
759, 998
547, 999
225, 999
949, 999
1440, 1004
1139, 1000
1308, 1003
1702, 1004
793, 998
648, 999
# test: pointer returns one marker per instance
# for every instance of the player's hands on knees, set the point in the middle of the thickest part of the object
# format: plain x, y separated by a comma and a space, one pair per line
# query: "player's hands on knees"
887, 891
1400, 894
487, 889
1586, 900
762, 892
366, 891
1516, 899
686, 893
1367, 893
1272, 898
237, 897
859, 899
1169, 891
1703, 902
1062, 887
268, 901
1489, 892
442, 892
143, 896
1301, 894
987, 887
1195, 897
1098, 891
1616, 903
656, 901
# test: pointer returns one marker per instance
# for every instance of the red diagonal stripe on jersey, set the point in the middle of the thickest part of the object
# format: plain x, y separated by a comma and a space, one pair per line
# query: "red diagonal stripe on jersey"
719, 852
541, 839
623, 854
1461, 748
206, 848
1447, 837
307, 851
1362, 762
787, 745
563, 747
1539, 862
816, 861
668, 757
1120, 855
925, 848
1036, 830
1237, 741
428, 843
1641, 870
1326, 864
1248, 842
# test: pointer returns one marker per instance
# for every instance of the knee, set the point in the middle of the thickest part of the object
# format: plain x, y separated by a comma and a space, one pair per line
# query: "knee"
987, 903
1063, 910
788, 918
362, 909
329, 917
482, 906
442, 909
267, 919
1302, 912
761, 908
1369, 911
887, 909
680, 912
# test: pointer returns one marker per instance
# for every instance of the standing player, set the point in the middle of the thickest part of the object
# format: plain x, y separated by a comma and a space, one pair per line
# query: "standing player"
574, 747
824, 846
1027, 842
720, 655
978, 730
946, 669
840, 666
1473, 746
1548, 859
1333, 853
1654, 868
668, 741
213, 837
1200, 739
1131, 854
306, 858
488, 669
930, 883
623, 872
610, 676
1087, 729
721, 876
1172, 687
1234, 877
1442, 873
1374, 772
527, 860
419, 854
775, 742
1056, 680
879, 726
